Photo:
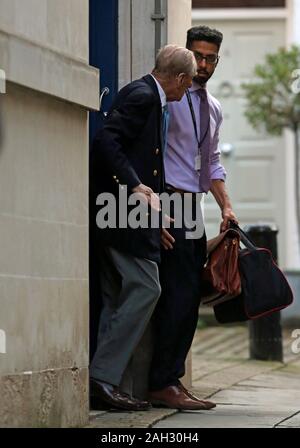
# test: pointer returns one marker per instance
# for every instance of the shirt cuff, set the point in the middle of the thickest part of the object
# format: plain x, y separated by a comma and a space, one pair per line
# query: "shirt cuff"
218, 173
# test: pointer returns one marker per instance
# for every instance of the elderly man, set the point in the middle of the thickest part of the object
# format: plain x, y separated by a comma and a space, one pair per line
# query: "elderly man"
129, 151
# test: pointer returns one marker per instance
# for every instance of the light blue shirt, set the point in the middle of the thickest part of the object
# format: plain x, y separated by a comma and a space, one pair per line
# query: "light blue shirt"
182, 145
163, 98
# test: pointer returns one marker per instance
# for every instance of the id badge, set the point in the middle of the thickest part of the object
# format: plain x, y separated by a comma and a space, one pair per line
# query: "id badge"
198, 162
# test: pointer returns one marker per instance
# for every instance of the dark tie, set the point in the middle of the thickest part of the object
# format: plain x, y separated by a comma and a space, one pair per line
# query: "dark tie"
205, 140
165, 125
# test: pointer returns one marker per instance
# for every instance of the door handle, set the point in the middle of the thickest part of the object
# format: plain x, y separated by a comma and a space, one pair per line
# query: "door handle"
226, 149
105, 91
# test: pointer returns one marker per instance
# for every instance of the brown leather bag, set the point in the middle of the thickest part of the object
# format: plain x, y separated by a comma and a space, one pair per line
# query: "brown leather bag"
221, 279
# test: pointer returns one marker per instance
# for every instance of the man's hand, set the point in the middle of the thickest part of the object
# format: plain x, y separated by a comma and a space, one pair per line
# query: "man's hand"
227, 215
147, 195
167, 240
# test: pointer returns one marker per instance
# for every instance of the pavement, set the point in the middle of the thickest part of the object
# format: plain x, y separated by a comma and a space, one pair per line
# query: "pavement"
248, 393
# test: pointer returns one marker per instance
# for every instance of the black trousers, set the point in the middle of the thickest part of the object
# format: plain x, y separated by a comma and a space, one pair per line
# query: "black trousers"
176, 315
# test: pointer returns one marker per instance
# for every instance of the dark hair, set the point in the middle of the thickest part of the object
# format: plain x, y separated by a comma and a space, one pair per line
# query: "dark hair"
204, 33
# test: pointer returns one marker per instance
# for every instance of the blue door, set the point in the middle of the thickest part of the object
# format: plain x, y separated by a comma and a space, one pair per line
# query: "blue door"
103, 55
104, 52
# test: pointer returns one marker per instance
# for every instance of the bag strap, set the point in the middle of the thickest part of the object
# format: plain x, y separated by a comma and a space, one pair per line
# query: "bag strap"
244, 238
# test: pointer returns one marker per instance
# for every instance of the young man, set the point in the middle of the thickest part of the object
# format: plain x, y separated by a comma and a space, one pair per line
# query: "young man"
192, 165
128, 153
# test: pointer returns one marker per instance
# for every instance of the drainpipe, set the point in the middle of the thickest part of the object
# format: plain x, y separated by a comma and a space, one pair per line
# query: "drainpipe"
158, 18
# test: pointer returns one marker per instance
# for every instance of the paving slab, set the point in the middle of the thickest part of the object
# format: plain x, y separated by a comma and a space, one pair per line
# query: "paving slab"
242, 407
203, 367
278, 380
260, 397
292, 422
233, 374
221, 417
120, 419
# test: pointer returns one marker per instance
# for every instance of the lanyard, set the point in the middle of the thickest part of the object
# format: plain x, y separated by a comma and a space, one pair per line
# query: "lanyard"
199, 141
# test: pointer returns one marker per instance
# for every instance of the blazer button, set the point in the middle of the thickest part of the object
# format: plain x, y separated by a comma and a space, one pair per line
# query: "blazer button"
157, 151
155, 173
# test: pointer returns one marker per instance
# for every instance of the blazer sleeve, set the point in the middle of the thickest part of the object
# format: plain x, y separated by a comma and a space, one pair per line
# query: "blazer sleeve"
123, 125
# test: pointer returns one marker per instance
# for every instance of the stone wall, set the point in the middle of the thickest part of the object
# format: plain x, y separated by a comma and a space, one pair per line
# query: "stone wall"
44, 212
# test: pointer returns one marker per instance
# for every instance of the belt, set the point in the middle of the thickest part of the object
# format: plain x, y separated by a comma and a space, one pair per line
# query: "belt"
170, 188
177, 190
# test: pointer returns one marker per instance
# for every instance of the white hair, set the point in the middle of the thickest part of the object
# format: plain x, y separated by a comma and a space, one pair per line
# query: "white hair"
173, 60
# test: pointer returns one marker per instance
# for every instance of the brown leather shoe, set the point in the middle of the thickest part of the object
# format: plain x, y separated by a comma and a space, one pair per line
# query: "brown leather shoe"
142, 403
175, 398
112, 396
209, 404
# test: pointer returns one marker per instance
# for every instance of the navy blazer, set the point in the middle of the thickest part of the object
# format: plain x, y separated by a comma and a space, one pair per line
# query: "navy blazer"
128, 151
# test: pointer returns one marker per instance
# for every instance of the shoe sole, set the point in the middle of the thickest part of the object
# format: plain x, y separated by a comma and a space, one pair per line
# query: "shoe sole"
158, 403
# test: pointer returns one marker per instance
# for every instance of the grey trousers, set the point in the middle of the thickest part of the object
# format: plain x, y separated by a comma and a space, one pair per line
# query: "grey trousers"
130, 291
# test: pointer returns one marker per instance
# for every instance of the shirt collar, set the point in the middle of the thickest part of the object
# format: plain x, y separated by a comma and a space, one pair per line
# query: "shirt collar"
195, 87
163, 98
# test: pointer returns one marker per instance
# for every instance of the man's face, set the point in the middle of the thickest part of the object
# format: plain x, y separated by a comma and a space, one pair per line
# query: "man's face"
206, 67
178, 85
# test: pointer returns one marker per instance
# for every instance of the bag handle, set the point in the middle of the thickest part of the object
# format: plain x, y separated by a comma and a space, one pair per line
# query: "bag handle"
244, 238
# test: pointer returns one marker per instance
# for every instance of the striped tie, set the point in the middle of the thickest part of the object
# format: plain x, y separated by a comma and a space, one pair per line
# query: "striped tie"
165, 125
